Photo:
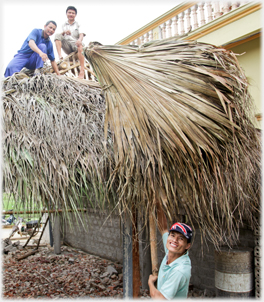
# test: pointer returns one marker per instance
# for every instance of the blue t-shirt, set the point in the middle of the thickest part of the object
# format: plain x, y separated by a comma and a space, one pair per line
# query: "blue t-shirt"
37, 36
174, 278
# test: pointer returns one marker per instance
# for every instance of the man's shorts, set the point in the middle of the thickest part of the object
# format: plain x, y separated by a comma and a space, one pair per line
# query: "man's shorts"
68, 45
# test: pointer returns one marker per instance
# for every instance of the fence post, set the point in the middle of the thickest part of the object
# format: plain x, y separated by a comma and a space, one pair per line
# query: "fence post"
127, 257
56, 234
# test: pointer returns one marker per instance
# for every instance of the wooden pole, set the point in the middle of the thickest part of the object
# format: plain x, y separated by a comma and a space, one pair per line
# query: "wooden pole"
135, 253
43, 231
153, 244
56, 234
127, 257
43, 211
37, 225
27, 254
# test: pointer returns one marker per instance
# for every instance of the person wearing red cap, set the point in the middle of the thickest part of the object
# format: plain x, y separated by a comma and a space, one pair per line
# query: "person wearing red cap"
175, 269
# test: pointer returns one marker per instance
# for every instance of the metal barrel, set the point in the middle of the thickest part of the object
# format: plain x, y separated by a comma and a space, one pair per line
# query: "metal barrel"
234, 272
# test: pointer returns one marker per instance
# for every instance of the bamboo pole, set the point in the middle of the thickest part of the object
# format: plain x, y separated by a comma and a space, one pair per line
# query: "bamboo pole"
39, 212
153, 244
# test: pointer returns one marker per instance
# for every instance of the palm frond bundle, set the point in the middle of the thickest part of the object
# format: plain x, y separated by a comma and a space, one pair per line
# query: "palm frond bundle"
53, 142
179, 113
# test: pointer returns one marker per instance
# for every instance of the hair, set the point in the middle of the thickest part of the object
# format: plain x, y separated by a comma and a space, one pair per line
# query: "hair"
53, 22
71, 7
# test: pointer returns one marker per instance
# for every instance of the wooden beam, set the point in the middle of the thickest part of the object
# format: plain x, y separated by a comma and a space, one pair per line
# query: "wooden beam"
127, 257
43, 211
153, 244
135, 252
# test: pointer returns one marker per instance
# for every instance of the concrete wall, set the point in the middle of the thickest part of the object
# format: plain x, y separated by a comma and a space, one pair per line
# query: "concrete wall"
202, 258
250, 61
106, 241
227, 31
101, 238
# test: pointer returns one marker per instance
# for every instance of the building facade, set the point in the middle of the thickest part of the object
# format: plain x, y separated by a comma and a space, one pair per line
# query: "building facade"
233, 25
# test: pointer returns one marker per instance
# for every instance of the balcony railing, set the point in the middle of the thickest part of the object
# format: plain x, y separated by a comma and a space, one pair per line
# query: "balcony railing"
186, 18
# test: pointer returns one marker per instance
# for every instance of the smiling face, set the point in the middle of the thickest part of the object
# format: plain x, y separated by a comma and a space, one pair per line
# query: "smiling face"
49, 30
71, 14
177, 244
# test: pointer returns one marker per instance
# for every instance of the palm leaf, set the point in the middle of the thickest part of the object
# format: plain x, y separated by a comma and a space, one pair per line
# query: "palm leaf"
53, 143
179, 113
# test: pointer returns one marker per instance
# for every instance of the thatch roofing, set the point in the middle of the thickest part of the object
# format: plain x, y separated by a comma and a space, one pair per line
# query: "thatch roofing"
174, 126
53, 139
180, 113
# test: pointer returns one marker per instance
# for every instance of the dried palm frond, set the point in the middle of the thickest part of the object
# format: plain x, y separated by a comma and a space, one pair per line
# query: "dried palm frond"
53, 142
179, 112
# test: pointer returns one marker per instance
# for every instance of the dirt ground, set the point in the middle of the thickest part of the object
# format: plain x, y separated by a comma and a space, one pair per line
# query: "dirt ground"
73, 274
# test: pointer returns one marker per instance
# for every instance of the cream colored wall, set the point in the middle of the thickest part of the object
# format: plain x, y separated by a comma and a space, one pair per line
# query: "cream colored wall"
251, 64
236, 30
230, 32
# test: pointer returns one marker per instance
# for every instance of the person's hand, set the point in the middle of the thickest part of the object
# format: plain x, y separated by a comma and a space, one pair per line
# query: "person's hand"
152, 279
68, 32
43, 56
78, 43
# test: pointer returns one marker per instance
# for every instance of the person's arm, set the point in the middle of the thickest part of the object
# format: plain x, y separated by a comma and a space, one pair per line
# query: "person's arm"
34, 47
55, 67
162, 220
65, 31
154, 293
79, 41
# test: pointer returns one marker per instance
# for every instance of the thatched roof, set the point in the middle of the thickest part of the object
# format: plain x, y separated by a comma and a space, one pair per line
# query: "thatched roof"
53, 140
174, 126
181, 116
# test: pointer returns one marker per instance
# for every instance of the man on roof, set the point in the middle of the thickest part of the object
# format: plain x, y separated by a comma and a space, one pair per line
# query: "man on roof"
175, 269
71, 37
36, 49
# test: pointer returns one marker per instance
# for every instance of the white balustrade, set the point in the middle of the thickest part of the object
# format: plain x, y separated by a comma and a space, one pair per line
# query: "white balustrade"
194, 16
181, 22
164, 30
151, 35
191, 19
217, 12
175, 25
209, 11
169, 28
234, 5
188, 19
226, 7
147, 37
201, 10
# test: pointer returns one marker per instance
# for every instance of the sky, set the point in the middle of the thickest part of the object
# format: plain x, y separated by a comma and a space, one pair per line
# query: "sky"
104, 21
